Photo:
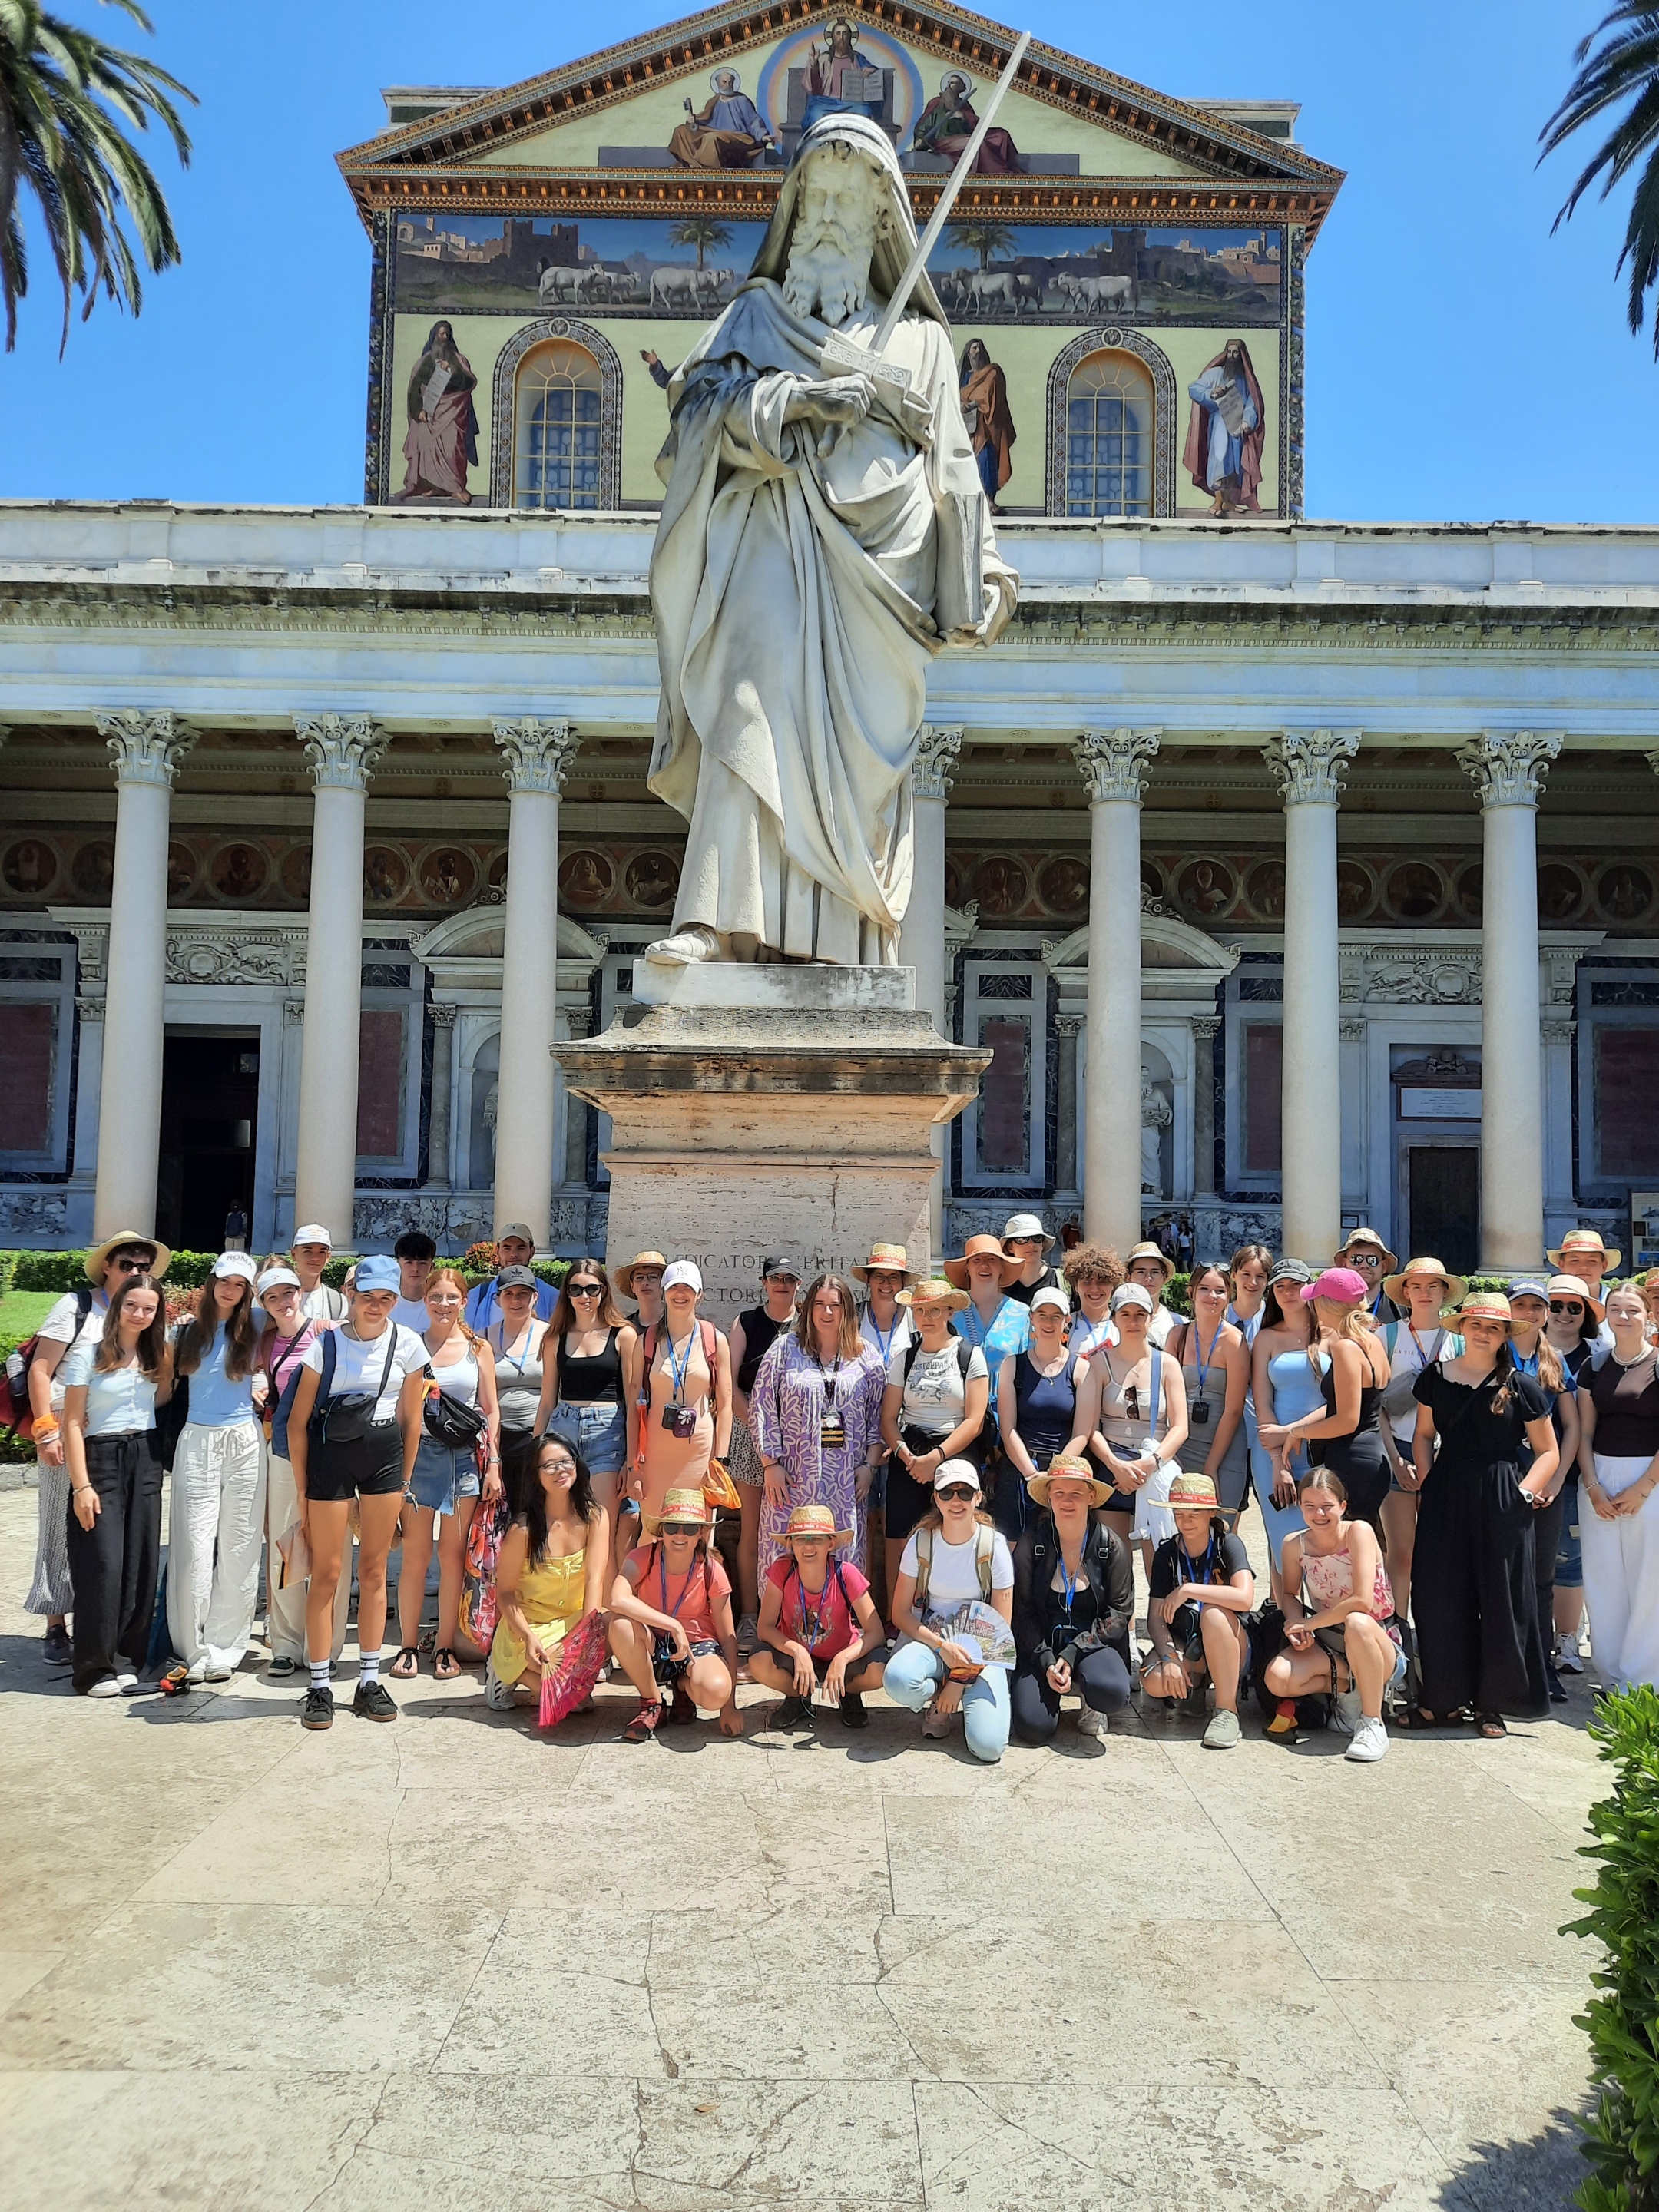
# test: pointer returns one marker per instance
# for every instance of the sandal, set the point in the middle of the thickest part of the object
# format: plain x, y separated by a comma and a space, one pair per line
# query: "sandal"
406, 1653
444, 1665
1420, 1718
643, 1726
1490, 1725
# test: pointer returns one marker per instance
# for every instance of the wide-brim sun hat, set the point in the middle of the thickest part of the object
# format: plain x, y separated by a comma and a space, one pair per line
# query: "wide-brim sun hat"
976, 1247
1574, 1245
1196, 1493
815, 1521
623, 1277
99, 1258
1069, 1470
1151, 1252
885, 1259
1368, 1237
1394, 1286
1486, 1305
1575, 1286
935, 1290
1025, 1224
1342, 1286
684, 1505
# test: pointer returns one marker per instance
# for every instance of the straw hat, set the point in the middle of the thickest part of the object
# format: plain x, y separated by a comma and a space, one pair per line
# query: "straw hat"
956, 1271
684, 1505
1579, 1241
815, 1521
1394, 1286
933, 1291
98, 1258
1575, 1286
1486, 1305
1196, 1493
1151, 1252
623, 1277
890, 1258
1075, 1470
1369, 1238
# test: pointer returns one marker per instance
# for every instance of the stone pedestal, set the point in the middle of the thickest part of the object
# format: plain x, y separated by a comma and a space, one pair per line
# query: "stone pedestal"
760, 1109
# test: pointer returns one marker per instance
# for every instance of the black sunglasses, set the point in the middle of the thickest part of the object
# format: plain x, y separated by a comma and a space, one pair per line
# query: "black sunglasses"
955, 1491
585, 1289
131, 1267
1566, 1306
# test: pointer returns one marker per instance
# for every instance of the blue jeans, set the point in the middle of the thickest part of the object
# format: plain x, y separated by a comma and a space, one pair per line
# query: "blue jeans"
597, 1429
914, 1672
442, 1475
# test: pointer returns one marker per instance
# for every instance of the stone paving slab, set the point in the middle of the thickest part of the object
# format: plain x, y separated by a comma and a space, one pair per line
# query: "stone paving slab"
449, 1961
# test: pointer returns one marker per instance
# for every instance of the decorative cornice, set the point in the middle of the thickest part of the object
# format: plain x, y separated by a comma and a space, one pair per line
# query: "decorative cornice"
539, 754
1507, 767
1311, 766
1110, 762
935, 767
342, 749
145, 746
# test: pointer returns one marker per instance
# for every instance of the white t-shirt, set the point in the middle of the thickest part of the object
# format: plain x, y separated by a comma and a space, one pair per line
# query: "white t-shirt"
412, 1313
953, 1573
60, 1326
1409, 1353
359, 1363
898, 1337
935, 1393
325, 1304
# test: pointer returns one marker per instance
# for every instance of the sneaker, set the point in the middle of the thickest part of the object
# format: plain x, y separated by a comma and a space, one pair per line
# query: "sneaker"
498, 1694
1089, 1721
793, 1713
853, 1714
748, 1633
216, 1673
642, 1728
282, 1668
56, 1649
936, 1724
195, 1673
681, 1713
1370, 1741
1222, 1733
107, 1687
126, 1680
318, 1711
1557, 1688
1567, 1660
374, 1702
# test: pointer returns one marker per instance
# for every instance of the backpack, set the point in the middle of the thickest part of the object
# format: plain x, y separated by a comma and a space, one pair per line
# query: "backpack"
974, 1448
16, 1412
985, 1539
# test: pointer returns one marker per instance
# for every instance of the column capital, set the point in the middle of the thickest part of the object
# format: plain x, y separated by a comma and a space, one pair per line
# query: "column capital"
1206, 1025
443, 1015
1069, 1024
935, 767
90, 1010
145, 746
1311, 765
539, 754
1507, 767
1113, 763
342, 749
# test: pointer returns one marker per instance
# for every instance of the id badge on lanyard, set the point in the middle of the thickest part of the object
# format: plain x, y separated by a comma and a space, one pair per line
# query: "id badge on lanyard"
832, 1428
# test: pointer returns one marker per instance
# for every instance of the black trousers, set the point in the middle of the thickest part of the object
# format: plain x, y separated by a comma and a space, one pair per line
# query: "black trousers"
1100, 1677
114, 1564
1474, 1595
1546, 1543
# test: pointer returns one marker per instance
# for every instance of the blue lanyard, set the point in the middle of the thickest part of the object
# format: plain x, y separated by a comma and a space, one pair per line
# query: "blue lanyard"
673, 1611
1204, 1358
1526, 1362
1203, 1580
1068, 1579
814, 1621
679, 1369
885, 1344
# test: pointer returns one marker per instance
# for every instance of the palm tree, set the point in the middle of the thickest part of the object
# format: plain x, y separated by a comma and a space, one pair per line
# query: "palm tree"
702, 231
985, 238
64, 97
1625, 68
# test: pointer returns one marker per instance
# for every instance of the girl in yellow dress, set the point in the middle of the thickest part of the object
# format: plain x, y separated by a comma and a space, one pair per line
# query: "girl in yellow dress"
550, 1573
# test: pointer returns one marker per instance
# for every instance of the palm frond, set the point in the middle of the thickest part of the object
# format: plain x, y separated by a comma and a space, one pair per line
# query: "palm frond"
1625, 68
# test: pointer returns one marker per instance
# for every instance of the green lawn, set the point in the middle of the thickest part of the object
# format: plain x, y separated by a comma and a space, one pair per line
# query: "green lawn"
21, 1313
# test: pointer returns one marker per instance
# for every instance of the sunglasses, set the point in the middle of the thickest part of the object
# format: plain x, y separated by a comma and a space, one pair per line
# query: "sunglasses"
682, 1528
1567, 1306
956, 1494
129, 1265
1364, 1259
1025, 1240
584, 1289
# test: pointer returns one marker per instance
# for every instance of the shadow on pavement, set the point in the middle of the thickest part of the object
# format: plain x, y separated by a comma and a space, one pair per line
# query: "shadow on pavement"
1536, 2175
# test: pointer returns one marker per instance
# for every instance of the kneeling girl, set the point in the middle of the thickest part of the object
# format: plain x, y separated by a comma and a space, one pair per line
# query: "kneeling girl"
1338, 1612
819, 1622
551, 1573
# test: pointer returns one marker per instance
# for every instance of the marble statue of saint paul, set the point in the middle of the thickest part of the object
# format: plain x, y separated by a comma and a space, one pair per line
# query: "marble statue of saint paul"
822, 536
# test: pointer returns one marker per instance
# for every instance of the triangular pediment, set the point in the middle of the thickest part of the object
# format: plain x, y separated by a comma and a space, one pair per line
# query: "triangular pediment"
614, 115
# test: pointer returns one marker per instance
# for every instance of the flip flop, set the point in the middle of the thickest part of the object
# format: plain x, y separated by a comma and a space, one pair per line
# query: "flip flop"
406, 1652
444, 1665
1420, 1718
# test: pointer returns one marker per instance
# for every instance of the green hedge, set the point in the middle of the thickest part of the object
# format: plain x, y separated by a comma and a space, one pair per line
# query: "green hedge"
66, 1271
1622, 2020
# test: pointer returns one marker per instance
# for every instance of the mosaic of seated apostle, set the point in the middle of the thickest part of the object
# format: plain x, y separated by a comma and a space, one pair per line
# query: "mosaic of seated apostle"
822, 536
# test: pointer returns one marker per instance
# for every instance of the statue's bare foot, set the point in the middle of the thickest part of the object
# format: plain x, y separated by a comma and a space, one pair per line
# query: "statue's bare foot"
686, 947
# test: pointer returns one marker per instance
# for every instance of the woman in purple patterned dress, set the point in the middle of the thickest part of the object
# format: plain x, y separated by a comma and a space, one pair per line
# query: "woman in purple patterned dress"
815, 1413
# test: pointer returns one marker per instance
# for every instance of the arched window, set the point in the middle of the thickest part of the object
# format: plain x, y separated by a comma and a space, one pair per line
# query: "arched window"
1110, 436
557, 425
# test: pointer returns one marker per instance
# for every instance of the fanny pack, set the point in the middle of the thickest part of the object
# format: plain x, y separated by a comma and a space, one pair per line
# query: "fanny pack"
449, 1422
347, 1419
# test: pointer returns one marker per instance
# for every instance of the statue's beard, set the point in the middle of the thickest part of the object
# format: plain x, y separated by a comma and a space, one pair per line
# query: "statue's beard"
830, 276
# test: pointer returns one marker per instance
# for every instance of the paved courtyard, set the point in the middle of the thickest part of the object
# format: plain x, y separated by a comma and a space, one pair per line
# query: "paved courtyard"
447, 1964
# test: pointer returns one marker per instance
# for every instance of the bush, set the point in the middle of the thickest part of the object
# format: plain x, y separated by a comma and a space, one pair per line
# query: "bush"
8, 1269
1178, 1294
1622, 2020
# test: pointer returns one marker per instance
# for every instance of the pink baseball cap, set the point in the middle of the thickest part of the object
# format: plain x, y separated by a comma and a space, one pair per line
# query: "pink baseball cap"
1343, 1286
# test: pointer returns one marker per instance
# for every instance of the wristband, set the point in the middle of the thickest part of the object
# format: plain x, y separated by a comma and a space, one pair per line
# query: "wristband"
44, 1428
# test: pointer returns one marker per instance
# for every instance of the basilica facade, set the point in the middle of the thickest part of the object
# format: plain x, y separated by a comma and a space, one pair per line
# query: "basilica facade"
296, 801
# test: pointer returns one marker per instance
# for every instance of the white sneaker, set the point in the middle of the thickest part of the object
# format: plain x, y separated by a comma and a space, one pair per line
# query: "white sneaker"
126, 1680
1567, 1660
1089, 1723
107, 1687
197, 1673
215, 1672
1370, 1741
498, 1694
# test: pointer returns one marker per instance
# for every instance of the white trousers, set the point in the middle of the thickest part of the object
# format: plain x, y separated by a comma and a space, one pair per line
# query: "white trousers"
215, 1533
285, 1609
1621, 1578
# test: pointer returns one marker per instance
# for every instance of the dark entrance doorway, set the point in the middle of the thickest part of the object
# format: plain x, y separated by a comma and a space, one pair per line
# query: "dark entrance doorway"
1445, 1183
209, 1128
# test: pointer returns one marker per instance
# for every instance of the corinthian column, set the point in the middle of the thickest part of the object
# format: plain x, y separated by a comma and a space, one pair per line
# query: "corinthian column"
1112, 763
1311, 767
1507, 767
145, 749
921, 933
538, 756
343, 751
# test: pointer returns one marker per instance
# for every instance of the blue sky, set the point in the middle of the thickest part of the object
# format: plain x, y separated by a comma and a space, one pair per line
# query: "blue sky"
1463, 363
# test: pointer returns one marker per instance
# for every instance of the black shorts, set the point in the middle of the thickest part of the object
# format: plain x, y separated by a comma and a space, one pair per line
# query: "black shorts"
667, 1668
907, 1500
371, 1467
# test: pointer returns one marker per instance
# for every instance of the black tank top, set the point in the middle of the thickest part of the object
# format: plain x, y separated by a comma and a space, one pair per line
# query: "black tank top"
760, 1331
595, 1380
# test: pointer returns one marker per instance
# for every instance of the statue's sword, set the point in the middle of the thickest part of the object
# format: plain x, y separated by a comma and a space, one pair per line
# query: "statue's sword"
838, 356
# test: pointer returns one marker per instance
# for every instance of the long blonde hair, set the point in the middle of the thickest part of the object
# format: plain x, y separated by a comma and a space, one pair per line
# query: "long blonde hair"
455, 1275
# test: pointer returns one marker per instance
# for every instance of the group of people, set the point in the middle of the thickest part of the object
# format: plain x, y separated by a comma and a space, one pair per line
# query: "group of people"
936, 1485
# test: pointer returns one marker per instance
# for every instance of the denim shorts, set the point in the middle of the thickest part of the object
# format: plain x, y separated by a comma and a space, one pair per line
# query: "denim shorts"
442, 1475
1569, 1554
597, 1429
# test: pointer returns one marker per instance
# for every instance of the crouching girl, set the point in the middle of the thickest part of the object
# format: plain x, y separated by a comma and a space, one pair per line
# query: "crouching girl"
686, 1639
818, 1625
1339, 1614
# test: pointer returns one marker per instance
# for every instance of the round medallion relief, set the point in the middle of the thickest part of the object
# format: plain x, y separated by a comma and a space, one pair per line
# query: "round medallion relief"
1151, 879
651, 880
447, 876
296, 873
1414, 891
29, 867
1468, 890
1207, 887
952, 881
586, 878
386, 873
1624, 893
238, 872
1560, 891
497, 870
1063, 886
93, 871
1264, 887
1356, 891
181, 870
1001, 885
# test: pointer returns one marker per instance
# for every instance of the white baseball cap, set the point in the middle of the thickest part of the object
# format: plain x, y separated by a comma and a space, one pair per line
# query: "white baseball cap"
1049, 1296
1129, 1294
312, 1233
274, 1278
234, 1263
682, 1271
